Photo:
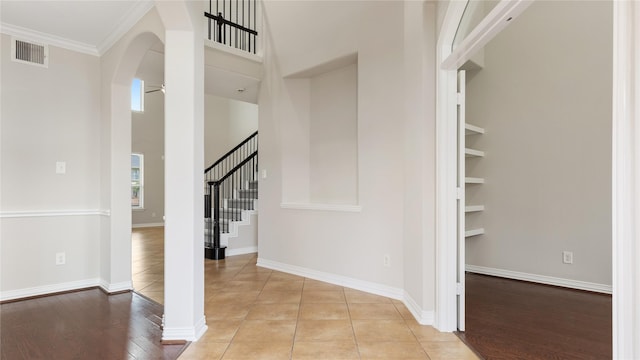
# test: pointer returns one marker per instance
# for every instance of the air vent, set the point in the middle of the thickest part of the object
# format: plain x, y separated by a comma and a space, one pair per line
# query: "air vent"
30, 53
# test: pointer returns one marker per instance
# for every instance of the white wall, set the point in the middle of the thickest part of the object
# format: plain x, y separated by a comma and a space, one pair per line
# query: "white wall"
349, 244
544, 98
226, 123
333, 136
147, 138
48, 115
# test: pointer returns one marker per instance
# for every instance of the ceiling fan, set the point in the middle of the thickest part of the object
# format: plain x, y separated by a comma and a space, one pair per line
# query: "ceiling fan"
155, 88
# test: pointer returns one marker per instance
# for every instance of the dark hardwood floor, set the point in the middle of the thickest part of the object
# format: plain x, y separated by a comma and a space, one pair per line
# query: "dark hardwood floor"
84, 325
510, 319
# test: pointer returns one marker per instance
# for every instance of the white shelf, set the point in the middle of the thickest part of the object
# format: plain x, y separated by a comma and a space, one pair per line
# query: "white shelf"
473, 180
473, 232
472, 129
472, 152
473, 208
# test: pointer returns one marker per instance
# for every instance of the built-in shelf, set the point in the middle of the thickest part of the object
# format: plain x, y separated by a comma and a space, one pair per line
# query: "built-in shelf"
473, 208
473, 232
472, 129
473, 152
473, 180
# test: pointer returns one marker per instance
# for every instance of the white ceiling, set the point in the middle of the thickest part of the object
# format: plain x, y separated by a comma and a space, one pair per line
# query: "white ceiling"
93, 26
90, 26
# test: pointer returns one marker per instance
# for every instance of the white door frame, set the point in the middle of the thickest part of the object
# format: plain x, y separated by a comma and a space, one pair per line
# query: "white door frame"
625, 163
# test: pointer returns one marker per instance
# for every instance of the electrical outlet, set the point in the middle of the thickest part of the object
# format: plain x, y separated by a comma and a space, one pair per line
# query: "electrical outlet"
61, 258
61, 167
386, 260
567, 257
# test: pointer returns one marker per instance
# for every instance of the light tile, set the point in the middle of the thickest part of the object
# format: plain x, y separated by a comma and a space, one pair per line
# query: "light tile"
204, 351
321, 296
355, 296
266, 331
220, 330
323, 311
258, 350
284, 285
382, 330
448, 350
392, 350
278, 296
428, 333
273, 312
324, 330
316, 285
373, 311
322, 350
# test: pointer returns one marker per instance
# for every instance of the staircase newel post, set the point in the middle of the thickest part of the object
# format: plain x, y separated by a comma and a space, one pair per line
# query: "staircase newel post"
218, 251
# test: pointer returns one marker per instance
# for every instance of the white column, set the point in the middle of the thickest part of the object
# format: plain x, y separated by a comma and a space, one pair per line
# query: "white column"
626, 180
184, 165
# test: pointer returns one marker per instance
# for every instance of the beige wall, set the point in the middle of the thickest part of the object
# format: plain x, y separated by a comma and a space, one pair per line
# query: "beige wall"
544, 98
227, 123
352, 244
49, 115
147, 138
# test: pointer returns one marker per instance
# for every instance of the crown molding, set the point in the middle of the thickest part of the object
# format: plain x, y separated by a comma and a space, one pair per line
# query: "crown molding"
125, 24
43, 38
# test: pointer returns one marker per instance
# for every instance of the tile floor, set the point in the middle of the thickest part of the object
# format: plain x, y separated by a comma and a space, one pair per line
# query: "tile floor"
257, 313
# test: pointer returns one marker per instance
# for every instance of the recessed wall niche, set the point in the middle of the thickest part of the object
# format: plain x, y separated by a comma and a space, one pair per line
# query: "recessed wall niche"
320, 163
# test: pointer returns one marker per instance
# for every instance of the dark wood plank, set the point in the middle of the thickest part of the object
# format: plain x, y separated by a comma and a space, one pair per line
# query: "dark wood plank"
84, 325
510, 319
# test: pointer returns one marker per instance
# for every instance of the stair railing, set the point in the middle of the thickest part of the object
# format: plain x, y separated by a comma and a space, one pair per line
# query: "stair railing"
226, 179
232, 158
233, 23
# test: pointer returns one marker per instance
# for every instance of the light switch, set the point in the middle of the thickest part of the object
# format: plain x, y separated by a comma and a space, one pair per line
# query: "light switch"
264, 173
61, 167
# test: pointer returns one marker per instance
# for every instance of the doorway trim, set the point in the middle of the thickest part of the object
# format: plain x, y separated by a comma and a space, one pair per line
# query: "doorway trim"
625, 161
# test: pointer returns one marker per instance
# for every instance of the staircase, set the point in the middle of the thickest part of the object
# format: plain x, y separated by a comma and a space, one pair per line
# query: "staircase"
231, 196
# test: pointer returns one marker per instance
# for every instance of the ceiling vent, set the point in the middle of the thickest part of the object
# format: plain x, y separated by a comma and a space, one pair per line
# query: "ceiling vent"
30, 53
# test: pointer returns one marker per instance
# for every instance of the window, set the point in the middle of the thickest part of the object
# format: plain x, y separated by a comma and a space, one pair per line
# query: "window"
137, 95
137, 181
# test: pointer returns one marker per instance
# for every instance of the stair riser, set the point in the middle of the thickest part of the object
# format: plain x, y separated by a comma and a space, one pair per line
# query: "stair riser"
246, 204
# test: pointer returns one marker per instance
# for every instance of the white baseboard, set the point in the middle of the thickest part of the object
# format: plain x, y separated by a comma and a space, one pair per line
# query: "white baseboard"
135, 226
423, 317
189, 333
242, 251
541, 279
117, 287
48, 289
370, 287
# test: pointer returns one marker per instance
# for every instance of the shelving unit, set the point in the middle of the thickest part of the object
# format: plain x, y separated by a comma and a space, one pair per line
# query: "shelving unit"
473, 180
470, 130
473, 152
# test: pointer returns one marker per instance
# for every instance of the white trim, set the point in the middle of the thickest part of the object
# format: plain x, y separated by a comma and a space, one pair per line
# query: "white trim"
237, 52
117, 287
189, 333
53, 213
48, 289
125, 24
44, 38
495, 21
445, 316
321, 207
146, 225
625, 179
423, 317
541, 279
366, 286
242, 251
